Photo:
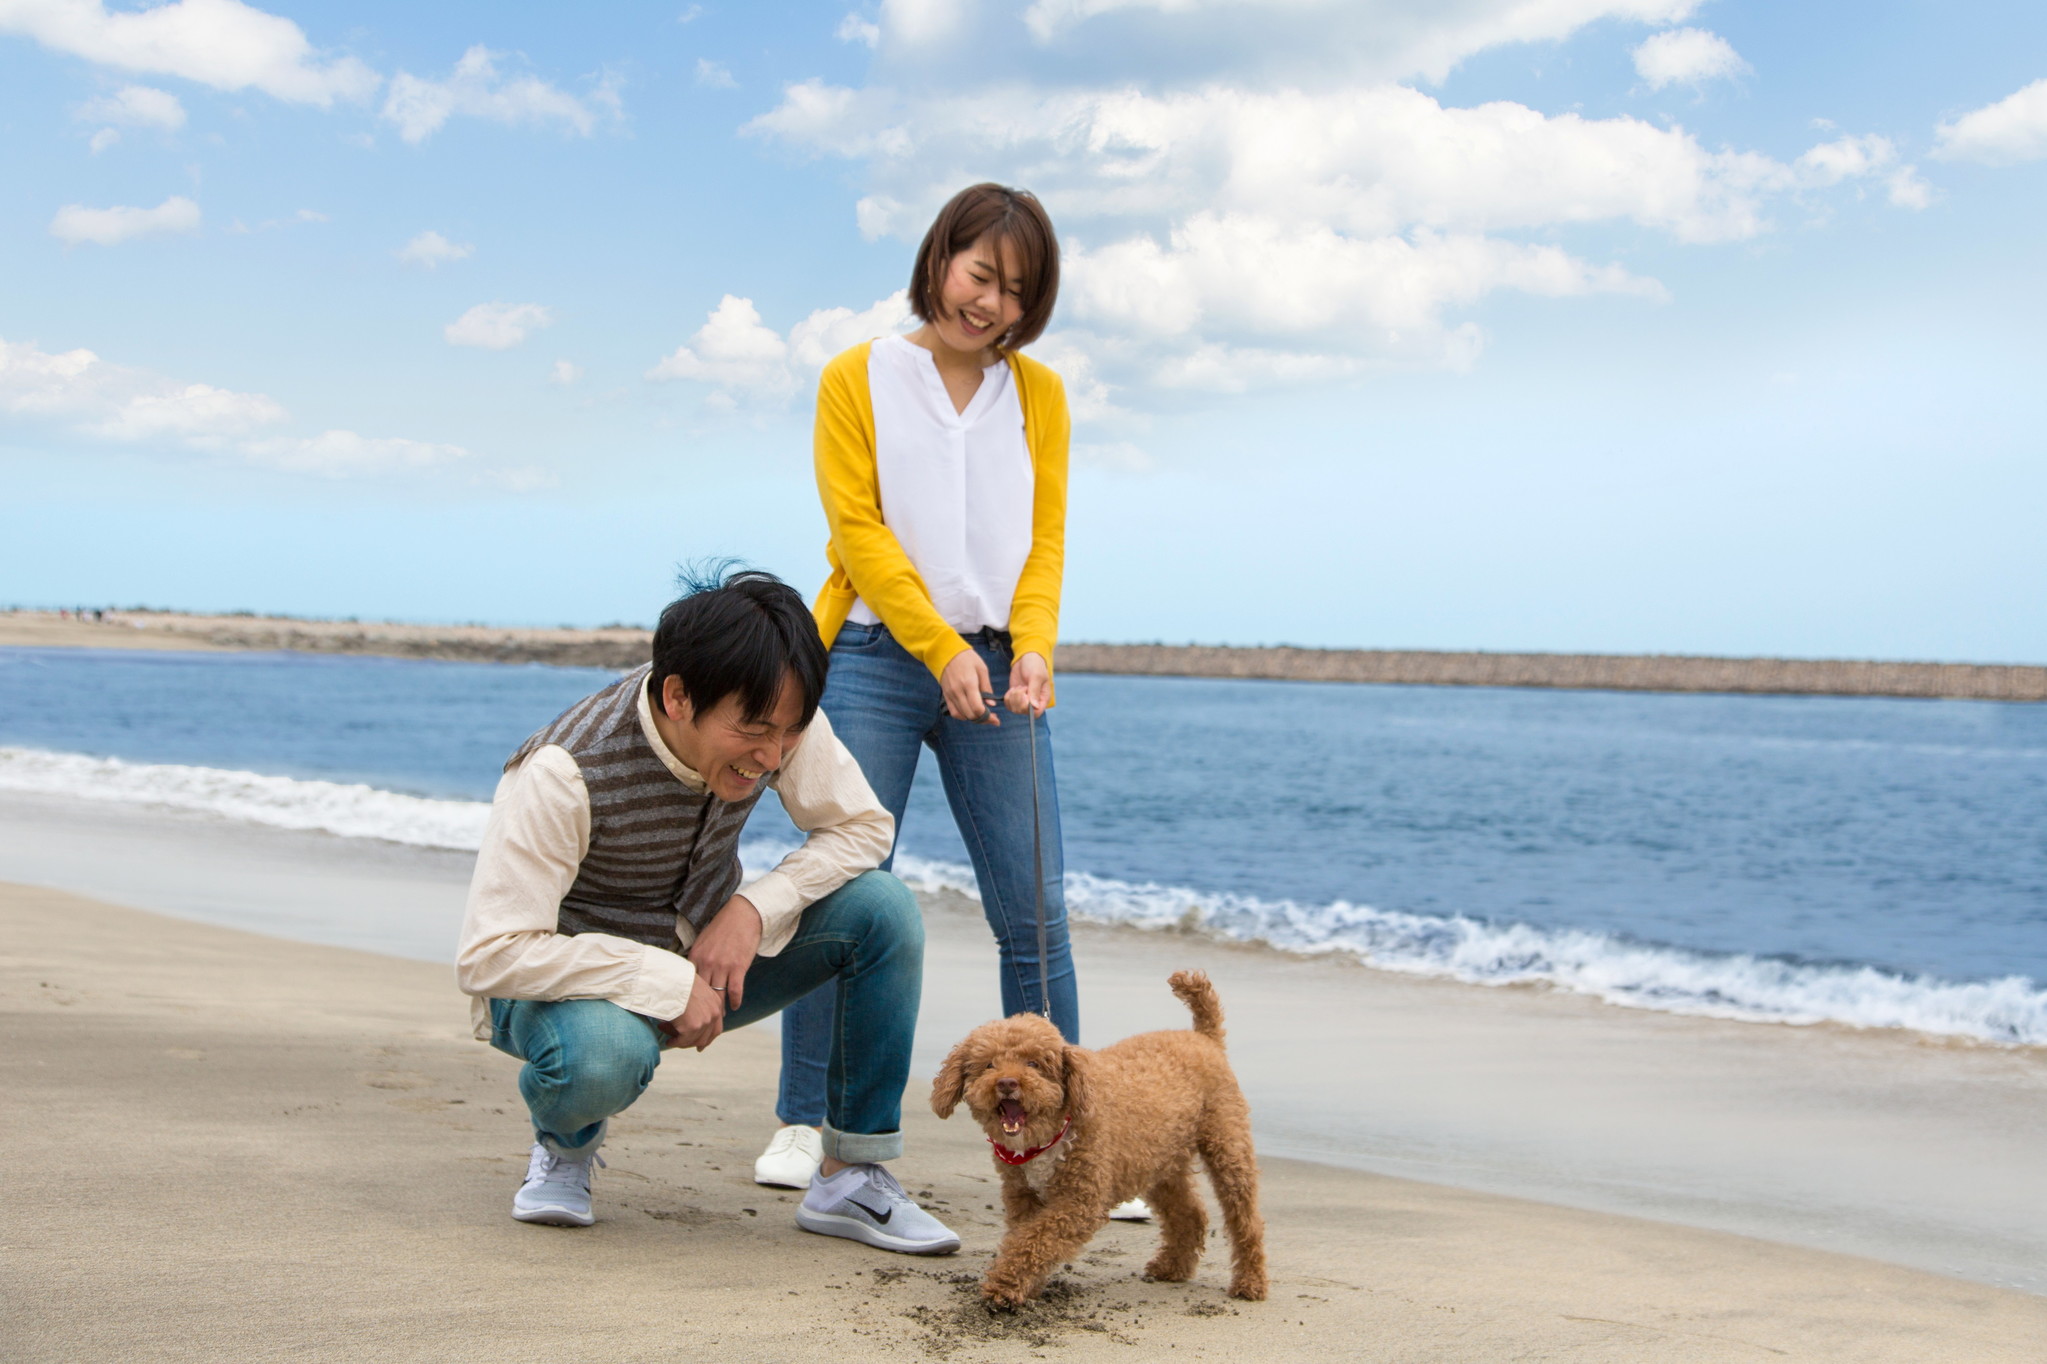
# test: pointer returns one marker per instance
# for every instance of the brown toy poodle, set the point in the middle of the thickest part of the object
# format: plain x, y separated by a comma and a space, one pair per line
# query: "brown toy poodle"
1076, 1132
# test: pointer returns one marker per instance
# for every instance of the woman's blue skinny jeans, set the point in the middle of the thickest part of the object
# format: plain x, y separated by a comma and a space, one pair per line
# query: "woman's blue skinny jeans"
885, 706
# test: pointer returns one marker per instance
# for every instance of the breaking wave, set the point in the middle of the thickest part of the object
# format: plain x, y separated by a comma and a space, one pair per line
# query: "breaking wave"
2011, 1011
1639, 975
350, 811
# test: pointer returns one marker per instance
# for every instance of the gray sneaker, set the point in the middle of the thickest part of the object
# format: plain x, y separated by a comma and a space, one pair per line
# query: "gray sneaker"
864, 1203
557, 1190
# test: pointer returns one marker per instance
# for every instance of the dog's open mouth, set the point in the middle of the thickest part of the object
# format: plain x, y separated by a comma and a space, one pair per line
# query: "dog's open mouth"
1013, 1116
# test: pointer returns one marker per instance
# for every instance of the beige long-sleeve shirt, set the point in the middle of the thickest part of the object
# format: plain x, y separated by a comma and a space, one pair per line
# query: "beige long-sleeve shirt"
539, 831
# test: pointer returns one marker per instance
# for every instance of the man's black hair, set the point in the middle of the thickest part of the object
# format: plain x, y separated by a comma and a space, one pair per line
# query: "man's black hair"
737, 632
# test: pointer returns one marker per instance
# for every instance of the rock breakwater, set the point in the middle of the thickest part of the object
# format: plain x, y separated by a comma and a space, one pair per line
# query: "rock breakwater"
1592, 672
626, 647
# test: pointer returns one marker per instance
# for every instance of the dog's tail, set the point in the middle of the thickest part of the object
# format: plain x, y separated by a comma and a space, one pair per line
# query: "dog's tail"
1199, 996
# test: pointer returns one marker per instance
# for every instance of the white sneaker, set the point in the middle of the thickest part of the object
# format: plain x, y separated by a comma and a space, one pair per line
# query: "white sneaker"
792, 1158
1131, 1210
864, 1203
557, 1190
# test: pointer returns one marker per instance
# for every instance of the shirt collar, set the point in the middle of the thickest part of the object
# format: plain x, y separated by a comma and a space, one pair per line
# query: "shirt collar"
676, 766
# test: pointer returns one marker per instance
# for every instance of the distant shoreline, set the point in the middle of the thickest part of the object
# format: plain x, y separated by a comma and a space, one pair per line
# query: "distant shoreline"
626, 647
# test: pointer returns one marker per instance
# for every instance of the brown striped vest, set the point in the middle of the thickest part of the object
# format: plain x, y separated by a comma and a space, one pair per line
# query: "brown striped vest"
658, 850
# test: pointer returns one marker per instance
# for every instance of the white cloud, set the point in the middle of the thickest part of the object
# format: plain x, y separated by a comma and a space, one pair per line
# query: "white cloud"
76, 224
336, 454
741, 356
854, 29
432, 250
103, 139
822, 116
714, 76
690, 15
1864, 158
1047, 19
78, 390
497, 326
1229, 235
1223, 368
921, 21
1366, 159
878, 216
1088, 396
476, 89
1687, 56
135, 106
1260, 277
1230, 302
1845, 158
1269, 203
219, 43
192, 410
1906, 189
1385, 39
733, 350
565, 372
826, 332
2013, 129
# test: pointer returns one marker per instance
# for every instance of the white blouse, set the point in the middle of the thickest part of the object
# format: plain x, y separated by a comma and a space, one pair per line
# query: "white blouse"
956, 487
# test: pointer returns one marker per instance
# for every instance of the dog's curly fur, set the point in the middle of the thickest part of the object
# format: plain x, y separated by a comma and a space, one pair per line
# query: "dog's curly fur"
1141, 1111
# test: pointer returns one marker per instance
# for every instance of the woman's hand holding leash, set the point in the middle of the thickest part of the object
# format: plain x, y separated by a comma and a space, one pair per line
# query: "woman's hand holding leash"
1030, 685
966, 688
969, 694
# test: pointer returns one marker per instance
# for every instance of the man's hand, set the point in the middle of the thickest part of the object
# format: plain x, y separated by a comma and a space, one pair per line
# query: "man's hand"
722, 953
963, 683
1030, 684
703, 1018
725, 950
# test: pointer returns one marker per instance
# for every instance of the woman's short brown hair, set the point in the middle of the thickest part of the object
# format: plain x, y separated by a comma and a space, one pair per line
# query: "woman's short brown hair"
1012, 215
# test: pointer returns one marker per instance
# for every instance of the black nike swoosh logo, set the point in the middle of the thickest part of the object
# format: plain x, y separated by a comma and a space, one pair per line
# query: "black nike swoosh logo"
881, 1217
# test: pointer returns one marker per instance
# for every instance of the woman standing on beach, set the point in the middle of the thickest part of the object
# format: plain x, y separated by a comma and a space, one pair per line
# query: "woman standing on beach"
941, 459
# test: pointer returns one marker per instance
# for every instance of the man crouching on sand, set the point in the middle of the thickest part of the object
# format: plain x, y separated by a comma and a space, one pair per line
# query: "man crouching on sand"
603, 923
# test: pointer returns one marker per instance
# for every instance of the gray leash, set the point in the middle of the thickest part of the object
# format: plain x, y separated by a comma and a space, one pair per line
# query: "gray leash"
1037, 858
1038, 863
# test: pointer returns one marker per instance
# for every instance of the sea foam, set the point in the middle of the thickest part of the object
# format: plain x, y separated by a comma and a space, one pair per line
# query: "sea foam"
1749, 989
2011, 1011
351, 811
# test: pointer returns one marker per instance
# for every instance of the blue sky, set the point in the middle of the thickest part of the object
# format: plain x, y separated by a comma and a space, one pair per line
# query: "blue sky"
1619, 325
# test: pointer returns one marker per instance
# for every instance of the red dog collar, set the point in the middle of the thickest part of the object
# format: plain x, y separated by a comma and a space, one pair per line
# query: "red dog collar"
1009, 1157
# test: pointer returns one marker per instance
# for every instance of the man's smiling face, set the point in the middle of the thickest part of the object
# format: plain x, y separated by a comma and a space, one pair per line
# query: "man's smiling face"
731, 752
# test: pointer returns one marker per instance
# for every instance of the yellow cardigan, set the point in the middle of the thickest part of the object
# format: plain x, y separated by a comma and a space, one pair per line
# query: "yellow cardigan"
868, 562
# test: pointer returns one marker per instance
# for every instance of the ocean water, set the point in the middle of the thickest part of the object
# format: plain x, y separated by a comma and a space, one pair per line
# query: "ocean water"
1875, 862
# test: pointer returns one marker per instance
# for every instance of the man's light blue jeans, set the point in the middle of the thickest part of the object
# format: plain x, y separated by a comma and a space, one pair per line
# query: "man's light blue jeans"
885, 707
587, 1059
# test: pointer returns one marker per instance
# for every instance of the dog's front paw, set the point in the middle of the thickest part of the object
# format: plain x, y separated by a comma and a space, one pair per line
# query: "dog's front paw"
1166, 1267
1250, 1287
1003, 1292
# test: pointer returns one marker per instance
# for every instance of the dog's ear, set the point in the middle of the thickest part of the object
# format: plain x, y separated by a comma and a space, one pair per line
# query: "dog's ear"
950, 1084
1077, 1067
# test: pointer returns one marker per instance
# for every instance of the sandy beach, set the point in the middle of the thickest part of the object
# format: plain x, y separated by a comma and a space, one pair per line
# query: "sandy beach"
234, 1145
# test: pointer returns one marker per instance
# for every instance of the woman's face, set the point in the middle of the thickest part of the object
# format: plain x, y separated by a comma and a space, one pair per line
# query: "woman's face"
979, 311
